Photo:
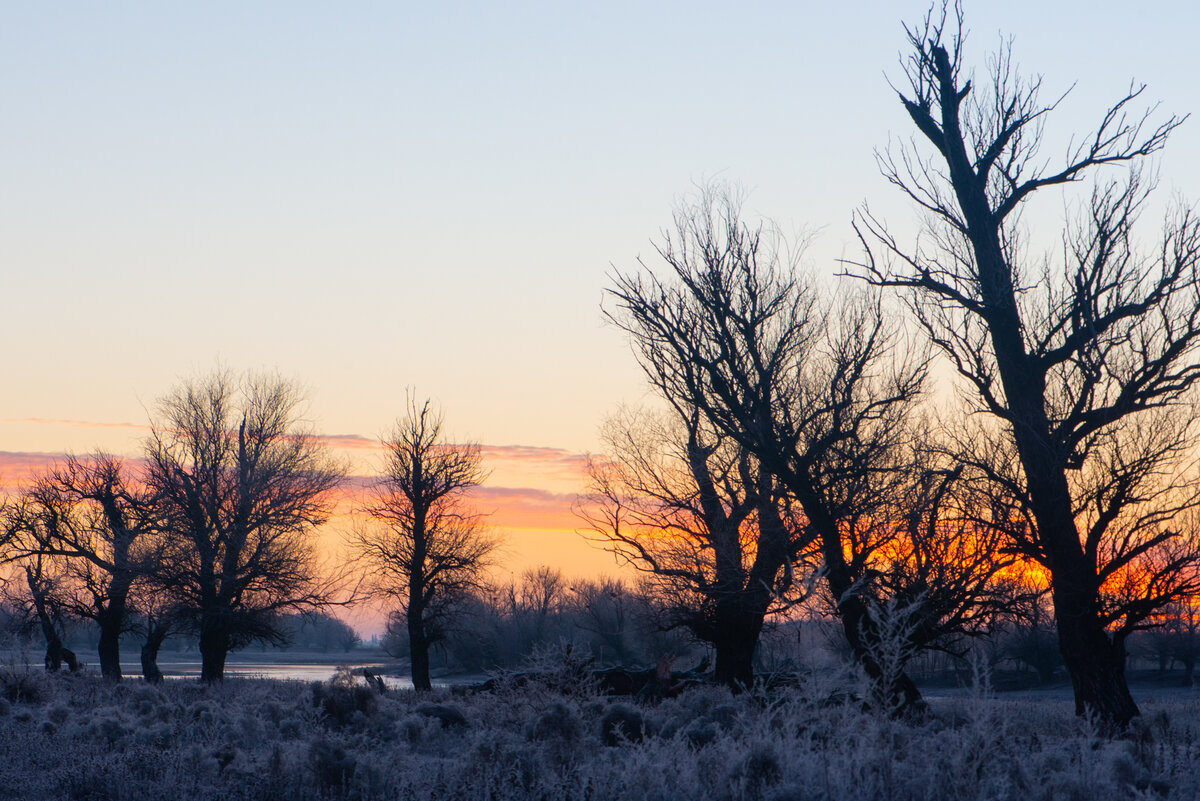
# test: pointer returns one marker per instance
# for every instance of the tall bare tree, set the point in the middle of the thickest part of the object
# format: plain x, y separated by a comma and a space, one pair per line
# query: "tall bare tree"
1087, 363
241, 485
422, 542
710, 527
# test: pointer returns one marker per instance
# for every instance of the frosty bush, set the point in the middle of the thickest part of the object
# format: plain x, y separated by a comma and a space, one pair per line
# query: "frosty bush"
256, 739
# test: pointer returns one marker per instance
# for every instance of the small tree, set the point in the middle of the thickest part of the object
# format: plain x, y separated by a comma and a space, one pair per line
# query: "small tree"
35, 594
422, 545
241, 486
91, 516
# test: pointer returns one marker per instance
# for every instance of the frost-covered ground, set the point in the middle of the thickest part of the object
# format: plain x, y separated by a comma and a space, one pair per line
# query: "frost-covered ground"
76, 737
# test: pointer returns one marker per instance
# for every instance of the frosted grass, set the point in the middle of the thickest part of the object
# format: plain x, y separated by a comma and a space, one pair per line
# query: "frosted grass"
77, 737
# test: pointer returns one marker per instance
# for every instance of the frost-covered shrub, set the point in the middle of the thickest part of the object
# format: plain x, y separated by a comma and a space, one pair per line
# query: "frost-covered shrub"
260, 740
21, 682
332, 765
760, 768
450, 717
622, 723
110, 729
558, 723
700, 733
340, 699
58, 714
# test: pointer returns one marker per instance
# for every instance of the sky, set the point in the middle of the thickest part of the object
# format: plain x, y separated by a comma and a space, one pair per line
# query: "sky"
377, 198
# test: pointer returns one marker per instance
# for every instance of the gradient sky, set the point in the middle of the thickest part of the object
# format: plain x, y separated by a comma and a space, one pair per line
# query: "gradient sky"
376, 196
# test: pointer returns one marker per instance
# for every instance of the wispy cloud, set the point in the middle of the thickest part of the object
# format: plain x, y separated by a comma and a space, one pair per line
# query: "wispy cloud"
17, 467
503, 507
76, 423
530, 453
518, 507
527, 507
350, 442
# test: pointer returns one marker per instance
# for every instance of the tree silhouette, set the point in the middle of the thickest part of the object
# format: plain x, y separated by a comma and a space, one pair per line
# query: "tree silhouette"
820, 397
422, 545
1087, 366
91, 516
710, 527
241, 486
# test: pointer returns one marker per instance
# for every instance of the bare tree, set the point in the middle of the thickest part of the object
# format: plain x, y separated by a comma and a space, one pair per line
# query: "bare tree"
36, 591
92, 516
823, 400
709, 526
423, 545
1086, 364
821, 403
241, 486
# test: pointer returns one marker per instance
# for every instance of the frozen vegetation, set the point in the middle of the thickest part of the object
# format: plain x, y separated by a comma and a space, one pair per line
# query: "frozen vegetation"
79, 737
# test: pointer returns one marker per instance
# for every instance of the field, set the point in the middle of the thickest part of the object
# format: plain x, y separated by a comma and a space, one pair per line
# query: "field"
77, 737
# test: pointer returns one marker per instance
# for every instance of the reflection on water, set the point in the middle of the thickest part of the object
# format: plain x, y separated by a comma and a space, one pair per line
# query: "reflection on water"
296, 671
300, 667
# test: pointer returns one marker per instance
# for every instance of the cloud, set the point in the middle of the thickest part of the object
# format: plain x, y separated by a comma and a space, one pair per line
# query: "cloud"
503, 507
76, 423
513, 507
531, 453
17, 468
527, 508
350, 442
512, 453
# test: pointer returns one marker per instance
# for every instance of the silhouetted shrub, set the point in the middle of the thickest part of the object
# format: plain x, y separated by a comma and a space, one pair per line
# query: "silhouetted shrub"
341, 697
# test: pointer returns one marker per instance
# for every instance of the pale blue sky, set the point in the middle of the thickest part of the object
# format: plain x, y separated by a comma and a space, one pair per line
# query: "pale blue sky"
376, 196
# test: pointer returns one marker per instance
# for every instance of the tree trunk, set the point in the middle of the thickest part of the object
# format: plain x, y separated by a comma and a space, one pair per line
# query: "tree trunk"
419, 652
735, 655
214, 647
892, 687
110, 651
1095, 662
111, 620
57, 654
154, 640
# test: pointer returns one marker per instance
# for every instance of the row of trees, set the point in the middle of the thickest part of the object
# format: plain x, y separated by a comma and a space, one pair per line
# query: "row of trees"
795, 443
539, 613
213, 532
